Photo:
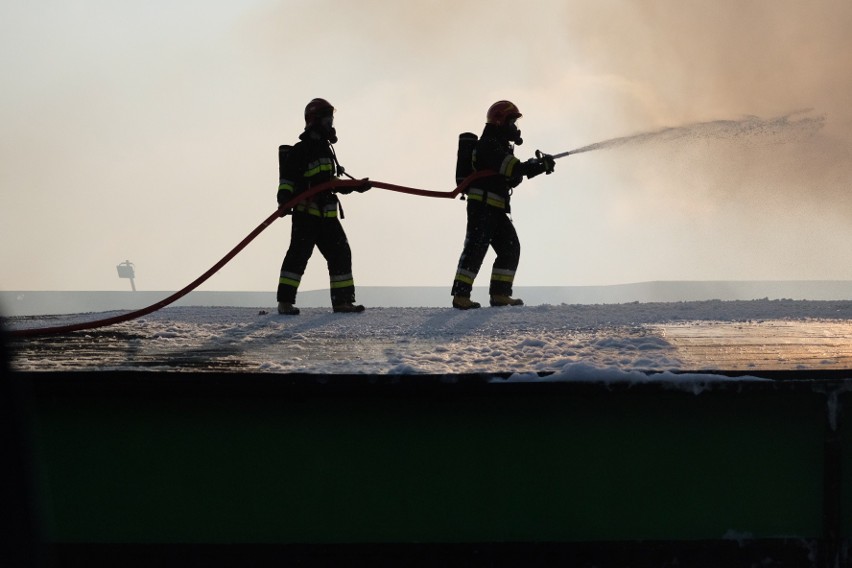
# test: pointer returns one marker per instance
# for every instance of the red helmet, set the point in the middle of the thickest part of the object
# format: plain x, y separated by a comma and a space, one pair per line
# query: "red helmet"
502, 111
317, 108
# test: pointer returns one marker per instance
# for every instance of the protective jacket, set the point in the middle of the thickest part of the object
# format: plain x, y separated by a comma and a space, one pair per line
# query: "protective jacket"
494, 152
310, 162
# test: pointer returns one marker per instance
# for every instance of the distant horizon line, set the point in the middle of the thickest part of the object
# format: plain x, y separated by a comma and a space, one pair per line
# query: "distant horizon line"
484, 286
40, 302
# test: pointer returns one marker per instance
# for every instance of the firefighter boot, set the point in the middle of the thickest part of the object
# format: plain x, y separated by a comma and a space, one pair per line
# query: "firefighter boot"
464, 303
347, 308
498, 300
287, 309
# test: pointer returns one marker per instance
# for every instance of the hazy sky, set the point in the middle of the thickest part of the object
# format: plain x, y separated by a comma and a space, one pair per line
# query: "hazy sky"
149, 130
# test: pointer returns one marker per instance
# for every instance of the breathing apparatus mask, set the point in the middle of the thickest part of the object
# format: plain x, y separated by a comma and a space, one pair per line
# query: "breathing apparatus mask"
512, 132
325, 127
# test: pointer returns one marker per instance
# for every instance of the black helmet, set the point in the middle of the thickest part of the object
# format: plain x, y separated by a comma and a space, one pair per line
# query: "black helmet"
317, 109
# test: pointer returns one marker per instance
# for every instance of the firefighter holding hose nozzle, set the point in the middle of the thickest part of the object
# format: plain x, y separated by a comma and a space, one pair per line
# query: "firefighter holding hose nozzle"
488, 207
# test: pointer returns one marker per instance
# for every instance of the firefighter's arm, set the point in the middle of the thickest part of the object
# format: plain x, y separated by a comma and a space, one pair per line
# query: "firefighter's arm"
542, 163
286, 191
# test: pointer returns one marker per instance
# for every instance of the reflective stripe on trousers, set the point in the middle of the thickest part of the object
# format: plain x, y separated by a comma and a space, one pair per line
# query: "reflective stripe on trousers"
290, 279
465, 276
502, 275
341, 281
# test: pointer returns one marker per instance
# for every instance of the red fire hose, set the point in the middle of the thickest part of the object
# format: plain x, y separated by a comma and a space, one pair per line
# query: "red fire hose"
283, 210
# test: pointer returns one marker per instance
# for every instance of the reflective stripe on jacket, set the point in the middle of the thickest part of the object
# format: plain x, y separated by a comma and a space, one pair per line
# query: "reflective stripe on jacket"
487, 197
328, 211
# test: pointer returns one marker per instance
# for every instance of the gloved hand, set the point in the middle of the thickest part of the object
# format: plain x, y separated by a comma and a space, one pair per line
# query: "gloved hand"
533, 167
365, 186
549, 163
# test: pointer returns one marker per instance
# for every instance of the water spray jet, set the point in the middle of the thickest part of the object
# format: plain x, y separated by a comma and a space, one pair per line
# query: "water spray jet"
749, 126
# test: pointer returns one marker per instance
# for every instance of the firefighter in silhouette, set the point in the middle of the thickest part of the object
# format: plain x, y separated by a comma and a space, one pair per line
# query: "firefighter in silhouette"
309, 162
488, 209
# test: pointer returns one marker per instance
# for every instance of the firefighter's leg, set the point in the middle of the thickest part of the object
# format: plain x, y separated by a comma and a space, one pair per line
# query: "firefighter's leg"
303, 237
508, 248
476, 240
334, 246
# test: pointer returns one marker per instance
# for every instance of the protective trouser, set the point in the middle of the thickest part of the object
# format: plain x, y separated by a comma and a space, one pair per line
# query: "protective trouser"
487, 225
326, 233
